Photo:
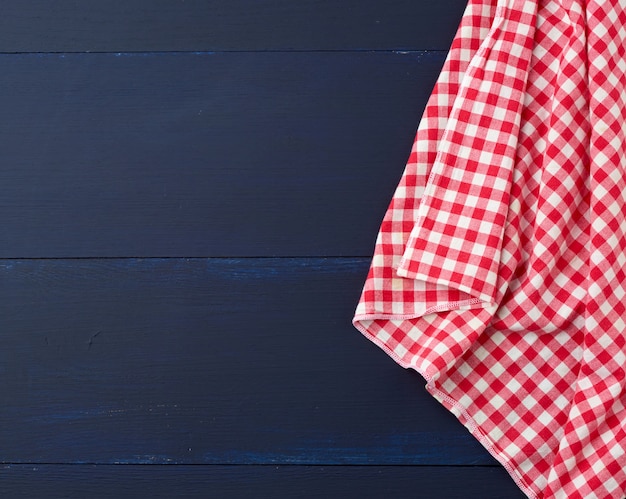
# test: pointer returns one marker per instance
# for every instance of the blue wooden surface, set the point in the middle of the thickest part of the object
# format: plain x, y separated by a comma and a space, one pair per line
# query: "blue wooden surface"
207, 361
226, 25
188, 216
242, 482
204, 154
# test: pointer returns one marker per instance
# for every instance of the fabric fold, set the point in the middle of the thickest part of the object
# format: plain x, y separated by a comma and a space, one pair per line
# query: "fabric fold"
457, 237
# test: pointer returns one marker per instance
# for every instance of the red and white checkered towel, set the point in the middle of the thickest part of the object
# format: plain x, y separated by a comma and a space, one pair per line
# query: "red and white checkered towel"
499, 271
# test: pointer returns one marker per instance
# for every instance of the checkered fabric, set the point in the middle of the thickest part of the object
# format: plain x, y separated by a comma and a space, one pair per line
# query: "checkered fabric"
499, 268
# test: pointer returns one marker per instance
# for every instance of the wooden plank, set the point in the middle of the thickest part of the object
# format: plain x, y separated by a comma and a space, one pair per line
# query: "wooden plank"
231, 482
212, 361
198, 25
230, 154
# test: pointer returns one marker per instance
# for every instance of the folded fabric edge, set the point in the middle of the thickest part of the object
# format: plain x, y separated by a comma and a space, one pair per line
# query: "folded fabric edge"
483, 289
442, 307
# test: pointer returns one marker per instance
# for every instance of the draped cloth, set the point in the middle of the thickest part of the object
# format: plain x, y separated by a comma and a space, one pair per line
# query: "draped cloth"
499, 272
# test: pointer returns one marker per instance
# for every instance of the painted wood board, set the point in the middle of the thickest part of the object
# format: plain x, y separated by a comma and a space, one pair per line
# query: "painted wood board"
233, 482
210, 361
200, 25
225, 154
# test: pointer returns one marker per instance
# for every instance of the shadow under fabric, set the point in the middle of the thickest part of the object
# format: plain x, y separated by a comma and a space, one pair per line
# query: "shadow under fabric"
499, 269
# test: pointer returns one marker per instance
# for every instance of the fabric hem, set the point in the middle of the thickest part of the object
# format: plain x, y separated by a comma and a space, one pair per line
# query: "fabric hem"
466, 420
452, 406
449, 306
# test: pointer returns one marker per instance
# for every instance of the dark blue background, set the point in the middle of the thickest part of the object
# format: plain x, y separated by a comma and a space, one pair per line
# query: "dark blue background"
190, 193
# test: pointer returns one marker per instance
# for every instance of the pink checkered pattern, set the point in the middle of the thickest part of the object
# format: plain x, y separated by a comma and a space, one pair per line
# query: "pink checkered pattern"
499, 271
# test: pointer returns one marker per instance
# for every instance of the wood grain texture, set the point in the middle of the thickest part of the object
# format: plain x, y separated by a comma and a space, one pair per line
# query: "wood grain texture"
233, 482
206, 361
237, 154
200, 25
